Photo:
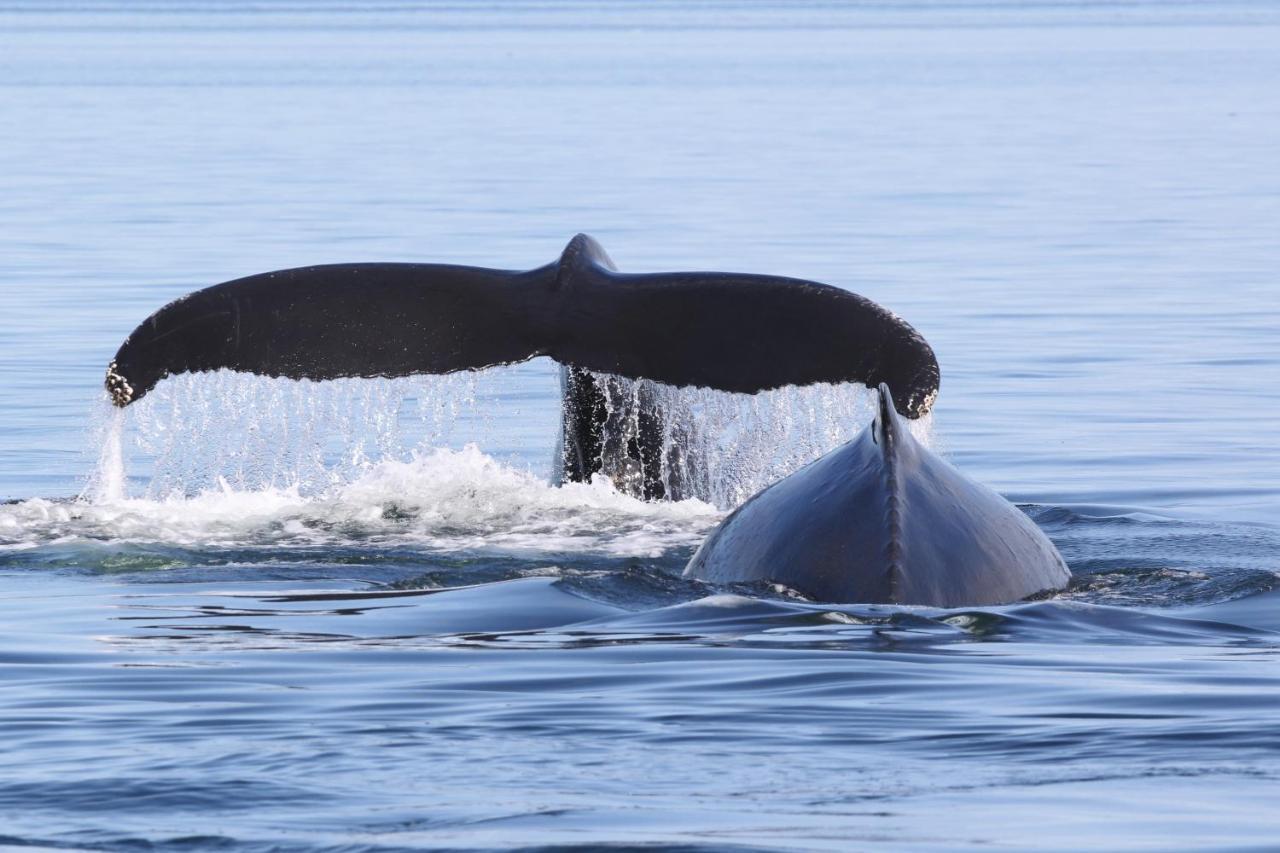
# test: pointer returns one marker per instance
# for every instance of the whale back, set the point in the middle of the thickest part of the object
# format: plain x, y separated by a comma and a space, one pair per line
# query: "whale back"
882, 519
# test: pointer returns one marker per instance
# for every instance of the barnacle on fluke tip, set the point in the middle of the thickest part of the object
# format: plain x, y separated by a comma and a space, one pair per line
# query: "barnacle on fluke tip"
118, 387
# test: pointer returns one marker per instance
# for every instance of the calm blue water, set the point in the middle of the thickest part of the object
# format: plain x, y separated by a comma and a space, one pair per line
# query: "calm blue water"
357, 617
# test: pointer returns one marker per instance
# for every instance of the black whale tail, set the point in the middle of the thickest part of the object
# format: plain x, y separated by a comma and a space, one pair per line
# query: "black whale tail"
728, 331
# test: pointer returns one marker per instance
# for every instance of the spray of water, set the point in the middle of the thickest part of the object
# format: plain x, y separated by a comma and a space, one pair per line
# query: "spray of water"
224, 430
225, 459
106, 484
198, 432
722, 448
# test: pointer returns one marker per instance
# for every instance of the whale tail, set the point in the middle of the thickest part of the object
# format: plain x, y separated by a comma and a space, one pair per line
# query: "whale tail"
728, 331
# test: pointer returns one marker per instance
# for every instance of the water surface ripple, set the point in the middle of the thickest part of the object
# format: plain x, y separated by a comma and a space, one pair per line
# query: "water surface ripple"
262, 615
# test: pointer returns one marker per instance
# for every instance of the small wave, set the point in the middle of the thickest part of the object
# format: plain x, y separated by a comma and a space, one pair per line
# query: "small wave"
1066, 515
1128, 556
642, 606
1162, 585
113, 794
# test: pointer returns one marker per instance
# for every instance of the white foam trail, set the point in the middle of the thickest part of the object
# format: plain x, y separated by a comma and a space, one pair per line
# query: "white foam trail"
443, 501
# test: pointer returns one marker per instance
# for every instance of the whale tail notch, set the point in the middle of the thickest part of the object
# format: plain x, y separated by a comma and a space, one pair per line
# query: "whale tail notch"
728, 331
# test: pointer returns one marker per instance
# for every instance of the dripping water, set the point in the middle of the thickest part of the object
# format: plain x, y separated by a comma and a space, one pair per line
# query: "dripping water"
106, 483
721, 447
223, 431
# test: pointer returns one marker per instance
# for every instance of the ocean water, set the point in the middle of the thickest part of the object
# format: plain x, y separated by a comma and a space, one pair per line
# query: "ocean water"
264, 615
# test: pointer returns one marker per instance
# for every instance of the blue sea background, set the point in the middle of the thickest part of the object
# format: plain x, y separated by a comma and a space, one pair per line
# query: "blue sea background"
391, 632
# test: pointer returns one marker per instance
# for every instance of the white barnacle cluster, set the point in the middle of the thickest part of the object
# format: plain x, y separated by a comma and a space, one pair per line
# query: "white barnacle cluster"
118, 387
926, 405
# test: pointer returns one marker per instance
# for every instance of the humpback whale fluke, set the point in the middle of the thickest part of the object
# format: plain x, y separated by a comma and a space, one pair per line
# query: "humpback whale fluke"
880, 519
883, 520
728, 331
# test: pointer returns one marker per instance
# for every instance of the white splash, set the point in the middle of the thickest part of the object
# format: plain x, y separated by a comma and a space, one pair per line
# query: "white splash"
229, 459
443, 501
255, 432
193, 432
